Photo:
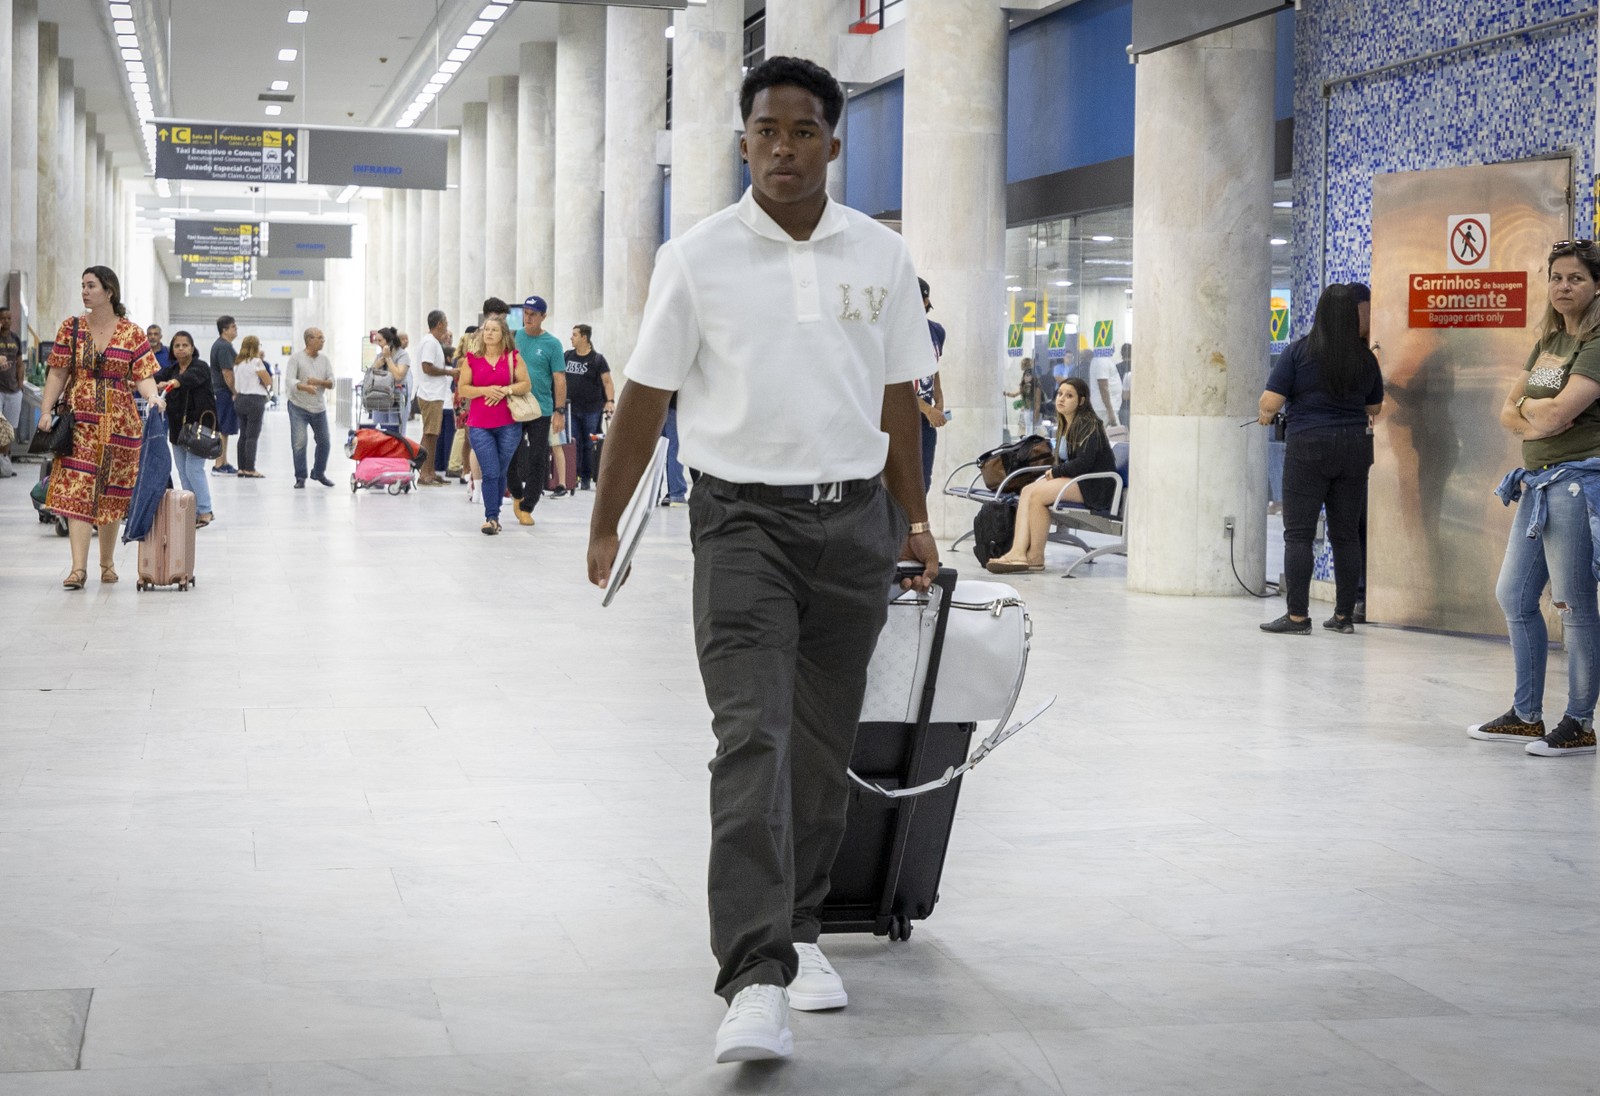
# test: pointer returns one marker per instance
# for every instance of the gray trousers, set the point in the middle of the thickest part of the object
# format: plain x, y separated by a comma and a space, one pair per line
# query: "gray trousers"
11, 408
789, 598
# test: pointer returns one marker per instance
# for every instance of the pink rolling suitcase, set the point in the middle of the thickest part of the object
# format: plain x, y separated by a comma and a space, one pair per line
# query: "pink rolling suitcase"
393, 474
166, 554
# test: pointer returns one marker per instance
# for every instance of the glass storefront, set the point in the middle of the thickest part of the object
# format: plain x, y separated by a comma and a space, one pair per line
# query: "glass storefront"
1069, 289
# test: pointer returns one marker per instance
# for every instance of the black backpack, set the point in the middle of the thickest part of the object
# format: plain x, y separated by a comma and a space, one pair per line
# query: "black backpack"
993, 528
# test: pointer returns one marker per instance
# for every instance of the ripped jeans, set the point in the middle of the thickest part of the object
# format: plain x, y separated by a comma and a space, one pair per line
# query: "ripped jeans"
1563, 556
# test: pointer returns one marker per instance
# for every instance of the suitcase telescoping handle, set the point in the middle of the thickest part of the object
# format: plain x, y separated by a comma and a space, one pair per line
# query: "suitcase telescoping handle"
985, 748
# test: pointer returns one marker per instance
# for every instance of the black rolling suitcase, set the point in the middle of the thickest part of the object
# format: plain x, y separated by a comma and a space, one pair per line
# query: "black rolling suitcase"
906, 781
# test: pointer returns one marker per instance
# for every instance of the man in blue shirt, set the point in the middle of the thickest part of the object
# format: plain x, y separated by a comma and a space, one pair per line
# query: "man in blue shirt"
152, 335
545, 359
930, 395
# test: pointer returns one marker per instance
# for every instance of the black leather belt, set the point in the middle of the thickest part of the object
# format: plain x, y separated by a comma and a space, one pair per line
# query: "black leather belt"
837, 491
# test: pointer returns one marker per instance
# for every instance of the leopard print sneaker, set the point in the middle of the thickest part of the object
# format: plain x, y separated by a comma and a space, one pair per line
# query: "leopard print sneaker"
1508, 728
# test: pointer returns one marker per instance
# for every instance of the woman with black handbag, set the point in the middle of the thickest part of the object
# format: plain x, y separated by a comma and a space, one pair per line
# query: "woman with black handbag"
191, 420
1081, 448
98, 360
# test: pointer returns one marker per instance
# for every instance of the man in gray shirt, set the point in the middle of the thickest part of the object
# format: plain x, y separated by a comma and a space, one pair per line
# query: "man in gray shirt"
310, 374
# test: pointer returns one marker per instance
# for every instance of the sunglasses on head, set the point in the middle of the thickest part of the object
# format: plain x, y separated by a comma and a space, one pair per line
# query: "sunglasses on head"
1575, 245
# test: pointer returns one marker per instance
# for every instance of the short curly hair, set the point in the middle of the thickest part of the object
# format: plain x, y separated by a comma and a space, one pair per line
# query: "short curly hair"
793, 72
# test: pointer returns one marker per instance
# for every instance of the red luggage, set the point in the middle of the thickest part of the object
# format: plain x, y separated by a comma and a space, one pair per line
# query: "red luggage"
394, 474
569, 461
377, 443
166, 554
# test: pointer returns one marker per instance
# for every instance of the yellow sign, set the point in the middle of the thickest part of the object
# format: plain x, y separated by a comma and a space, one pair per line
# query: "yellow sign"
272, 138
180, 135
1058, 336
1102, 335
1014, 337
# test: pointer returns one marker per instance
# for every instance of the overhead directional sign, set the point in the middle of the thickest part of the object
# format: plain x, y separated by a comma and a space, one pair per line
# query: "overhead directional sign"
216, 237
236, 291
291, 270
292, 239
215, 268
378, 157
235, 154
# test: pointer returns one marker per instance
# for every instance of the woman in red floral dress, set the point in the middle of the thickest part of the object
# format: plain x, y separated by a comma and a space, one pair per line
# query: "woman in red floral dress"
99, 359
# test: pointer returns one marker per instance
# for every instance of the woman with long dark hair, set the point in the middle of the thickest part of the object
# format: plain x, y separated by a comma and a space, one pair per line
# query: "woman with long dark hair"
187, 384
1081, 447
1333, 389
98, 360
1552, 408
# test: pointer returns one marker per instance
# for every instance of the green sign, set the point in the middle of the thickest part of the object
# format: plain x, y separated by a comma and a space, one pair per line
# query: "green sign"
1280, 324
1014, 337
1058, 337
1102, 335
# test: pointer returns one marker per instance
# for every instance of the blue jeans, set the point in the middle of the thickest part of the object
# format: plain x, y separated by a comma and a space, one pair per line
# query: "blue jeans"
192, 474
299, 419
494, 446
584, 425
677, 489
1561, 555
930, 443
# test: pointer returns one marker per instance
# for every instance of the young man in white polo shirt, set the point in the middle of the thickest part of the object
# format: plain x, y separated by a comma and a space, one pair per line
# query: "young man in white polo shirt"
783, 300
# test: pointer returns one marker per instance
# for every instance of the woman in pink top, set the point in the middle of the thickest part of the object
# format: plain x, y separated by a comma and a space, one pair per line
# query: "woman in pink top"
492, 375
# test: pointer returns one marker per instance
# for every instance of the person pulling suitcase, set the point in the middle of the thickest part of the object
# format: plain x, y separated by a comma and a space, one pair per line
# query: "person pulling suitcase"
784, 299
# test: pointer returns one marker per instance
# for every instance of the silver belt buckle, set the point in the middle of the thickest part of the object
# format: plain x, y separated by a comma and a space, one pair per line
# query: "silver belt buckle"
827, 492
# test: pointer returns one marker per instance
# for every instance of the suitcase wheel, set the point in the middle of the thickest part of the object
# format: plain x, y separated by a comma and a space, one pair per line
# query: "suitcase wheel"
61, 527
393, 489
353, 485
899, 928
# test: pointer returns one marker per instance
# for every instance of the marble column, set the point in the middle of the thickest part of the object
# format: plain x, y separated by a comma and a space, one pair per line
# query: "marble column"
24, 184
474, 162
954, 196
450, 243
500, 192
580, 139
1202, 205
707, 50
428, 263
47, 241
7, 80
69, 191
91, 193
377, 261
636, 58
410, 315
536, 170
812, 29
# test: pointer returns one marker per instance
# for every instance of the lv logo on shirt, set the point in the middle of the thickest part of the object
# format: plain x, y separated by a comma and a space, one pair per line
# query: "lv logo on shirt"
877, 296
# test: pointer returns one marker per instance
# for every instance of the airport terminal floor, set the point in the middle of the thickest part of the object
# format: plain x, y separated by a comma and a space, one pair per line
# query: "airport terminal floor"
387, 806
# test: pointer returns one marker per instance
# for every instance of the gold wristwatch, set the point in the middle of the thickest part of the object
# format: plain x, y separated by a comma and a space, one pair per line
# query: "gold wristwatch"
917, 527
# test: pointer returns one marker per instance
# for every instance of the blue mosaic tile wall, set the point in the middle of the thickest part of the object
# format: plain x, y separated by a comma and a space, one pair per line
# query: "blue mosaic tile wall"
1523, 97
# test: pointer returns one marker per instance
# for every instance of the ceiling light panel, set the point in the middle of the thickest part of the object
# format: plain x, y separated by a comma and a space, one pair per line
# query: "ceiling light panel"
280, 85
298, 15
482, 26
493, 11
288, 54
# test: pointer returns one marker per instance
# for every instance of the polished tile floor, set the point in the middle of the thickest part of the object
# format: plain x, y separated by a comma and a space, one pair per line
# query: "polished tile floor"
384, 806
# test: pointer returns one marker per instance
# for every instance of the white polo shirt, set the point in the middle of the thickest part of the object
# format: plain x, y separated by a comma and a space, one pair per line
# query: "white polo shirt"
429, 388
779, 349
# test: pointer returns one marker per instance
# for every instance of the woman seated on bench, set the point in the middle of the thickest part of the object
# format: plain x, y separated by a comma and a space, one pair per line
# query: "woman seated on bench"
1081, 448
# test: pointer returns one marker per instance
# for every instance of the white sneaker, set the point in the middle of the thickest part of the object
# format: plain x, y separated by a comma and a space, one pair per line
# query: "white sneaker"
817, 986
757, 1026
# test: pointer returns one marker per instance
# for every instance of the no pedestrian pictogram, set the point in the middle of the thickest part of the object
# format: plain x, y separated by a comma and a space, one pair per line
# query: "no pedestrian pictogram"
1468, 241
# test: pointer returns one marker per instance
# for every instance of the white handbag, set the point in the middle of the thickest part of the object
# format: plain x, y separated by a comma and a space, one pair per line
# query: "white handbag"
980, 669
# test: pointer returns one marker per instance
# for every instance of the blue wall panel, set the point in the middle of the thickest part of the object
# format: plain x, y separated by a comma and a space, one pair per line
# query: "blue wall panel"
873, 137
1070, 97
1520, 98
